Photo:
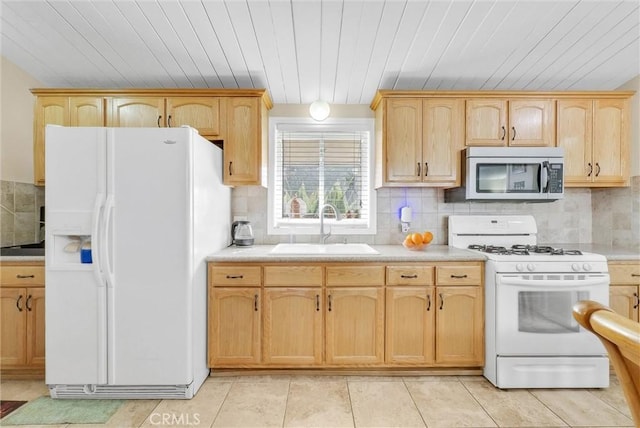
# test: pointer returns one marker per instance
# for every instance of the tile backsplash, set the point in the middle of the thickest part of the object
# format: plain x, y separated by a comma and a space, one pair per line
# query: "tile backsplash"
20, 213
565, 221
616, 215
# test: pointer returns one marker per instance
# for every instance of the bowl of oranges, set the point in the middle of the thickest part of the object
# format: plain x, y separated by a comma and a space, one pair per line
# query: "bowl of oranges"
417, 241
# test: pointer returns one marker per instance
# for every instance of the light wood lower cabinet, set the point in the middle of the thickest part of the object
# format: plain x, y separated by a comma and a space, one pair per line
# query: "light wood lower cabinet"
22, 320
346, 315
624, 292
355, 326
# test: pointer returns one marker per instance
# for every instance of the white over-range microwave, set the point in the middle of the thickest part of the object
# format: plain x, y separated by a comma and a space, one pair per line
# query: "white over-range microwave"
510, 173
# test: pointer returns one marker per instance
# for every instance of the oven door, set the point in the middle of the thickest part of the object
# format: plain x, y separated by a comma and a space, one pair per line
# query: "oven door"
533, 313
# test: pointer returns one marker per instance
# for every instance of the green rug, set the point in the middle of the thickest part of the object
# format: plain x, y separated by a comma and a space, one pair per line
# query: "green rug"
47, 411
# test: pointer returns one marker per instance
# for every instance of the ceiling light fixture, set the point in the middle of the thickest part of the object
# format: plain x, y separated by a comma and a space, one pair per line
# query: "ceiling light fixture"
319, 110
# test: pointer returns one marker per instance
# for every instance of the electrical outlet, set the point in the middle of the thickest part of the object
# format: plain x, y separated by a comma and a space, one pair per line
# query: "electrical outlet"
404, 227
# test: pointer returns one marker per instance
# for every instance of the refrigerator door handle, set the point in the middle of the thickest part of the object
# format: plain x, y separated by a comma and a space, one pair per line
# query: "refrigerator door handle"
96, 239
107, 245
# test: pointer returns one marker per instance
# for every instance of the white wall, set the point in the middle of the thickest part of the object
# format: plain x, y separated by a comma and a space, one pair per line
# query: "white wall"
16, 118
634, 85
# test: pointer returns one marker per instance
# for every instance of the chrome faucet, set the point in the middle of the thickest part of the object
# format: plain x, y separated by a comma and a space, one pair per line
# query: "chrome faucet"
323, 236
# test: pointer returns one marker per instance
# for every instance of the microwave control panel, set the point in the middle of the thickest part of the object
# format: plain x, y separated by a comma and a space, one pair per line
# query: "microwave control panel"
555, 178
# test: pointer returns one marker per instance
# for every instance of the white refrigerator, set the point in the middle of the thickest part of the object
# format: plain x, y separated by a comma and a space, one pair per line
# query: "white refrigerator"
132, 214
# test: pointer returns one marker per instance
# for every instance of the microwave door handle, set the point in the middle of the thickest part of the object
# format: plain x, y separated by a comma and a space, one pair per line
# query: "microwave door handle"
544, 172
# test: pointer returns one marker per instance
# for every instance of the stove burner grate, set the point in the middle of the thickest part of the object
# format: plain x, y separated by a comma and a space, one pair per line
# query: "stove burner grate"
524, 250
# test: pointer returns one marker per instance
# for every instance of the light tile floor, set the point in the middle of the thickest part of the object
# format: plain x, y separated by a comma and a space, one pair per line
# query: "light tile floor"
363, 401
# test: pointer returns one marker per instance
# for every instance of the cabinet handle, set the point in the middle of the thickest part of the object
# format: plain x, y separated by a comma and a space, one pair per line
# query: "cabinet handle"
426, 169
255, 302
329, 302
418, 169
635, 274
18, 303
428, 302
159, 117
24, 276
169, 121
590, 169
235, 276
441, 300
458, 276
317, 302
513, 128
597, 169
28, 306
637, 300
230, 172
409, 276
504, 133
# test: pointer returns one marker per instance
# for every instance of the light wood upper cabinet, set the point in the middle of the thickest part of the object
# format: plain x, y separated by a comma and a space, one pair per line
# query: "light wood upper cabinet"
238, 117
421, 142
486, 122
140, 112
206, 114
513, 122
243, 156
22, 318
594, 135
63, 111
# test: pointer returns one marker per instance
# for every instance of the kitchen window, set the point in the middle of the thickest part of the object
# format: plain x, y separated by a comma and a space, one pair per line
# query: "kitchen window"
315, 164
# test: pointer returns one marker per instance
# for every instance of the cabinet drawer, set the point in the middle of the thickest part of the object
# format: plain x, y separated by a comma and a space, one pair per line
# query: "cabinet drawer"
227, 276
458, 275
624, 273
355, 275
296, 276
22, 275
409, 275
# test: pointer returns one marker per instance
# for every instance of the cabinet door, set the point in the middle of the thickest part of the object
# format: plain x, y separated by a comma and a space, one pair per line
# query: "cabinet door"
144, 112
443, 124
459, 326
410, 326
202, 113
625, 299
48, 111
234, 326
403, 140
355, 326
13, 327
242, 142
86, 111
292, 326
34, 306
532, 123
610, 142
486, 122
575, 136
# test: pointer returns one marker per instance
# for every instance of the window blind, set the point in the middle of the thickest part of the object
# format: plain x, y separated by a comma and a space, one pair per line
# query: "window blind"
313, 168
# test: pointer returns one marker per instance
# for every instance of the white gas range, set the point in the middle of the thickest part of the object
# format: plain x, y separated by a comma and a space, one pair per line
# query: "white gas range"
531, 338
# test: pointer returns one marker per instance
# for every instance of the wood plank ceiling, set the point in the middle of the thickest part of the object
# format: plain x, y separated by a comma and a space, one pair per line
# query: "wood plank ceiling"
337, 50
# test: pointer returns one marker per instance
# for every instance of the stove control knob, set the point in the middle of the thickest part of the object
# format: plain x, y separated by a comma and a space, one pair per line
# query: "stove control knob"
531, 267
519, 267
575, 267
586, 267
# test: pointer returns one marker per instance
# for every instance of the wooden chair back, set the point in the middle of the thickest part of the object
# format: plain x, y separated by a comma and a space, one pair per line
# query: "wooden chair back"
621, 338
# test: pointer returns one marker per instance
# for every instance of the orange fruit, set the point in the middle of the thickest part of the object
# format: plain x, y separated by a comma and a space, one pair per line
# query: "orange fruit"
408, 242
427, 237
416, 238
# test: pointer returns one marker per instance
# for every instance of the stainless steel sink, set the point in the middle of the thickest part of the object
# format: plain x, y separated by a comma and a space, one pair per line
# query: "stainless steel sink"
323, 249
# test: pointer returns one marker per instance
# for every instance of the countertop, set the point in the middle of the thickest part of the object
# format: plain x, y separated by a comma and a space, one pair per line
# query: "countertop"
388, 253
11, 259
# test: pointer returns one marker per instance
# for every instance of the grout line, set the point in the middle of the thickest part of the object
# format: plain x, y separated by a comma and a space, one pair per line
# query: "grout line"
353, 414
414, 402
479, 403
222, 403
286, 402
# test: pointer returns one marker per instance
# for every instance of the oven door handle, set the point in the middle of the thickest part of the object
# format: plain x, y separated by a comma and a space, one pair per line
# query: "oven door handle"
557, 284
